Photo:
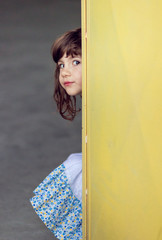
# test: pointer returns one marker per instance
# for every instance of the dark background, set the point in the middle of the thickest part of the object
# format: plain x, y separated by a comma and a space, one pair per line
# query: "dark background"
34, 139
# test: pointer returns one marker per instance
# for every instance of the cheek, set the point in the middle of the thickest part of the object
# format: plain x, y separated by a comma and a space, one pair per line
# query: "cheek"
81, 78
79, 75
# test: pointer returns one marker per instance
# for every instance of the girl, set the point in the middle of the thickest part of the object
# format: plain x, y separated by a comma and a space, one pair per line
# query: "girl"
58, 199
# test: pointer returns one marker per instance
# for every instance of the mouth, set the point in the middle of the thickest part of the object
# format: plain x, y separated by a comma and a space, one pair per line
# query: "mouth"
68, 83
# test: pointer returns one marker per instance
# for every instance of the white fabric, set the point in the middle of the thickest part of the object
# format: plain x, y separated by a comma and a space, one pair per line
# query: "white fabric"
73, 170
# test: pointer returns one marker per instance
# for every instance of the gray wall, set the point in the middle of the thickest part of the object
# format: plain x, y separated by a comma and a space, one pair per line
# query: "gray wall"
34, 139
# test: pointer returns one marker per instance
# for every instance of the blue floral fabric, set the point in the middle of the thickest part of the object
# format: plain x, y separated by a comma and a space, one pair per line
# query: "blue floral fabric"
58, 208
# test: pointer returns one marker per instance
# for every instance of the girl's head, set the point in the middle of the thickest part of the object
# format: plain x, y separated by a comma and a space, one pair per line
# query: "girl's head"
66, 52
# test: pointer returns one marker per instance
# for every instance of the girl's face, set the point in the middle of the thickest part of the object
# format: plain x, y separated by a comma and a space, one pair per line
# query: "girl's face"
71, 74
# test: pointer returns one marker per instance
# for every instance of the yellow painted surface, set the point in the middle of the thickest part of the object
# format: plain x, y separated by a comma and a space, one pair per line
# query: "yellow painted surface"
122, 114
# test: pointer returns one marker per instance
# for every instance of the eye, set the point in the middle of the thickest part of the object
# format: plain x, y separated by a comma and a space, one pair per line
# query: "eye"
76, 62
61, 65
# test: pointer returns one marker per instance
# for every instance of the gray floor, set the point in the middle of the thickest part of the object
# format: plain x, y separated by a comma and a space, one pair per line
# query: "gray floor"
34, 139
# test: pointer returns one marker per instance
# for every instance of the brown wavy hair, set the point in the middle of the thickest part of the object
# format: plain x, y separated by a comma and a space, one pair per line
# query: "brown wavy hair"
69, 43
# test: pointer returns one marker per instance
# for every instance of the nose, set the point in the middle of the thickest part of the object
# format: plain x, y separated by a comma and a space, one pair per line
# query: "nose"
65, 72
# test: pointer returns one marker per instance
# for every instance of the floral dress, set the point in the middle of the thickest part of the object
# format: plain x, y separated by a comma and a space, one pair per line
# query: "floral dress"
58, 199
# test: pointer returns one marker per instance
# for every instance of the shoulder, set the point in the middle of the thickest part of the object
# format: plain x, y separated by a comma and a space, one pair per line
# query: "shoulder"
73, 163
74, 158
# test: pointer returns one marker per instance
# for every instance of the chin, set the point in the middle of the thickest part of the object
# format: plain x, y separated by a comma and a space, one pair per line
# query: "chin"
72, 94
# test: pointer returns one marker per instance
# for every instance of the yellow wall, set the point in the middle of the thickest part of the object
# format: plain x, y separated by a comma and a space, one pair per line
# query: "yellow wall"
122, 118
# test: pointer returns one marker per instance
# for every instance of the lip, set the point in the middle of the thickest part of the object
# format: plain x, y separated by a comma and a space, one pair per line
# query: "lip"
67, 83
